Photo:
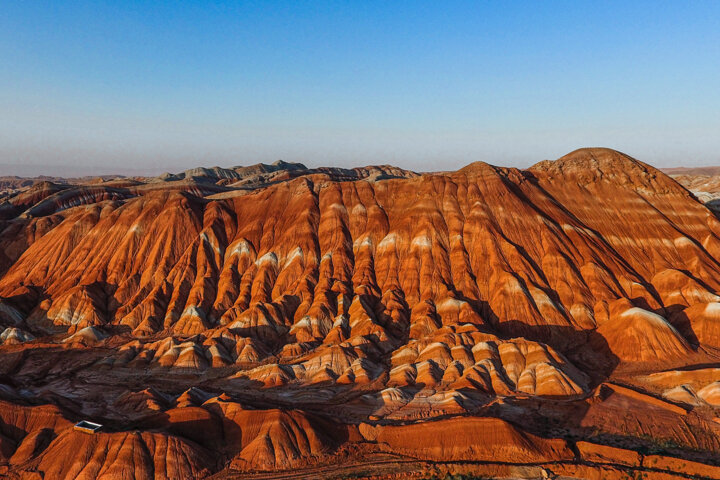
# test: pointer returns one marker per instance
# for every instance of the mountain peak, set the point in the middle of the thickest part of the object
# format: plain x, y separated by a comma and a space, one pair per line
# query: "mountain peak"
597, 164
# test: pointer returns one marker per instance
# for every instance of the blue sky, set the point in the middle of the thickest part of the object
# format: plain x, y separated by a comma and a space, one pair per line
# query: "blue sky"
120, 86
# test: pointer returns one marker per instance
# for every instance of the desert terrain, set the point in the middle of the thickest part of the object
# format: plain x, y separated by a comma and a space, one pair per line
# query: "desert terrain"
278, 321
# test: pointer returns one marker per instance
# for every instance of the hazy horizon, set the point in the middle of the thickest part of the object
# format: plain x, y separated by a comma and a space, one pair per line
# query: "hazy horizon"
79, 170
113, 87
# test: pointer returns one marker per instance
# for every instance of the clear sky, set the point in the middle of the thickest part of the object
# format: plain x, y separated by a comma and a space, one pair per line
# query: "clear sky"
153, 86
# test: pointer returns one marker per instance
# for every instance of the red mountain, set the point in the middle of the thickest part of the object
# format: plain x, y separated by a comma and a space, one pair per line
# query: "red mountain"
560, 320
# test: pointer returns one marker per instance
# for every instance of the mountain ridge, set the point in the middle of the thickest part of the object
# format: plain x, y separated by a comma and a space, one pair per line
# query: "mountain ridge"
375, 299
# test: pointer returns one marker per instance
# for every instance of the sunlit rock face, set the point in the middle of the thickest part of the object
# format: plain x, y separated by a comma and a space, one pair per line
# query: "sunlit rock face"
276, 317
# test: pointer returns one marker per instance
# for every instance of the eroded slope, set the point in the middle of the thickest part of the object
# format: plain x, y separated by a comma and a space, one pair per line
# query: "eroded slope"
343, 306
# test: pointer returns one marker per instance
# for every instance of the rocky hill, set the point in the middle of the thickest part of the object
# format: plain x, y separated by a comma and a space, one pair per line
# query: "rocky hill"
276, 321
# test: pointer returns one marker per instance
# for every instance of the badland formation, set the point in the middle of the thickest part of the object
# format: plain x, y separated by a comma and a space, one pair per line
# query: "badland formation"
276, 321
